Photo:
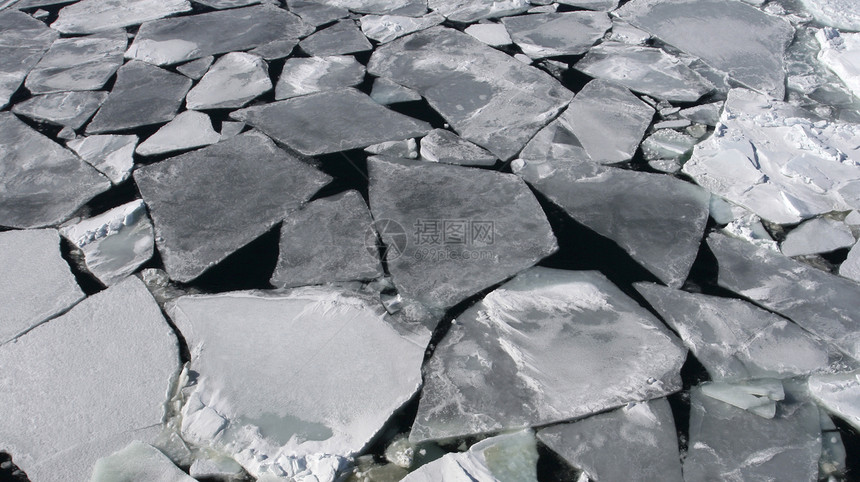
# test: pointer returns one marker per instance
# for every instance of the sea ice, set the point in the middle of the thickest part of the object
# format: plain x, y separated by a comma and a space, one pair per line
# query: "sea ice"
736, 340
189, 129
91, 16
196, 68
224, 4
850, 268
657, 219
326, 241
756, 396
233, 81
78, 63
840, 52
819, 235
707, 114
442, 145
35, 281
839, 394
207, 203
142, 95
487, 97
316, 13
114, 243
407, 149
492, 34
642, 434
42, 183
174, 40
112, 155
411, 8
331, 121
841, 14
23, 41
387, 92
314, 376
780, 162
276, 49
547, 346
667, 144
451, 231
728, 35
729, 443
468, 11
68, 109
646, 70
819, 302
553, 34
104, 371
344, 37
602, 5
136, 462
507, 457
385, 28
308, 75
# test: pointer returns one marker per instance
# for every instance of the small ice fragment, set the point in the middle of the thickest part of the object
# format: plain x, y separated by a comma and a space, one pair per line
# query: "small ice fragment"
24, 41
492, 34
387, 92
819, 235
316, 14
850, 268
231, 129
442, 145
386, 28
90, 16
68, 109
555, 34
840, 52
841, 14
78, 63
187, 130
344, 37
667, 144
112, 155
407, 149
839, 394
136, 462
308, 75
233, 81
196, 68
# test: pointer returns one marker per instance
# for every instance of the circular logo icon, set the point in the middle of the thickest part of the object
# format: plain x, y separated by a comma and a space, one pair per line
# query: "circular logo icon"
393, 239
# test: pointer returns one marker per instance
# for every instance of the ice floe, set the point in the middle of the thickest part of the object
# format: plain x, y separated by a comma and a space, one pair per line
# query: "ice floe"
344, 37
841, 14
442, 145
316, 13
469, 10
850, 268
137, 461
112, 155
839, 394
819, 235
78, 63
308, 75
23, 41
196, 68
385, 28
387, 92
554, 34
68, 109
234, 80
91, 16
840, 52
187, 130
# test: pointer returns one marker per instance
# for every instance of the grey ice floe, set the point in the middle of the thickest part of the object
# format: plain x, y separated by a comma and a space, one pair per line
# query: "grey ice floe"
207, 203
442, 145
112, 155
840, 52
443, 246
819, 235
231, 129
729, 443
657, 219
602, 5
196, 68
554, 34
327, 241
137, 461
78, 63
728, 35
839, 394
316, 13
308, 75
736, 340
642, 434
234, 80
105, 369
385, 28
779, 161
43, 183
646, 70
411, 8
755, 396
547, 346
67, 109
114, 243
329, 368
850, 268
142, 95
91, 16
841, 14
492, 34
342, 38
174, 40
487, 97
407, 149
331, 121
707, 114
625, 33
224, 4
276, 49
667, 144
468, 11
510, 456
187, 130
387, 92
24, 40
819, 302
35, 281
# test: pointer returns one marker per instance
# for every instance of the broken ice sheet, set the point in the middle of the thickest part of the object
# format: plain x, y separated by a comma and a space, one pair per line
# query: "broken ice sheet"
840, 52
487, 97
326, 241
492, 34
224, 4
755, 396
602, 5
387, 92
78, 63
196, 68
667, 144
307, 75
342, 38
331, 121
208, 203
114, 243
35, 281
234, 80
187, 130
507, 457
841, 14
642, 434
657, 219
142, 95
137, 461
646, 70
104, 371
780, 162
174, 40
385, 28
728, 35
315, 375
554, 34
822, 303
820, 235
316, 13
112, 155
43, 183
90, 16
850, 268
442, 145
411, 8
839, 394
729, 443
547, 346
468, 11
68, 109
495, 225
23, 41
736, 340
